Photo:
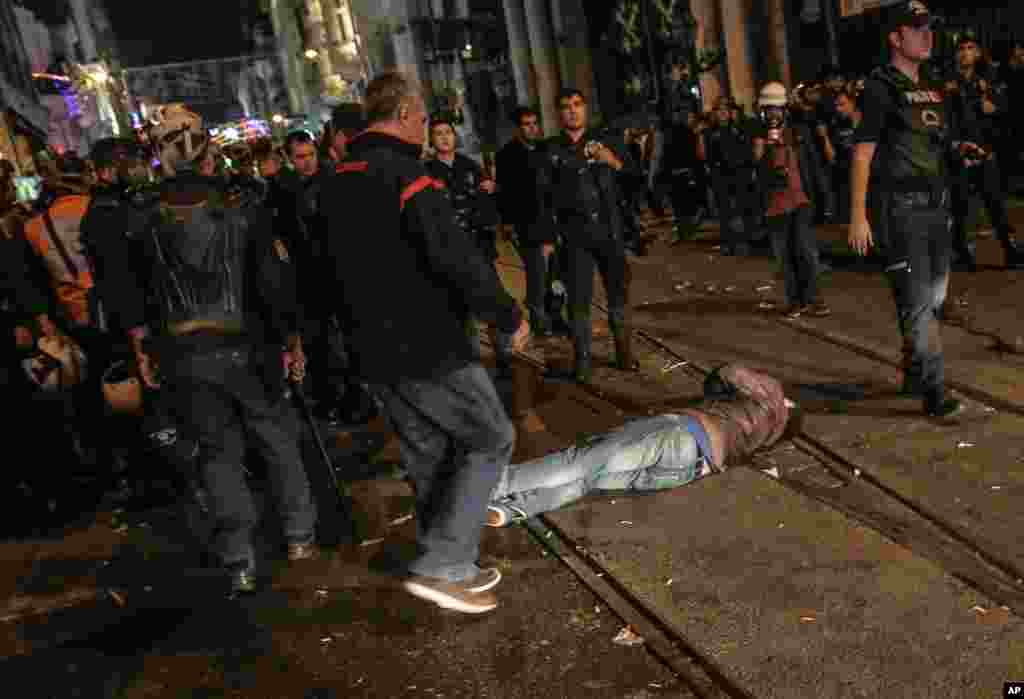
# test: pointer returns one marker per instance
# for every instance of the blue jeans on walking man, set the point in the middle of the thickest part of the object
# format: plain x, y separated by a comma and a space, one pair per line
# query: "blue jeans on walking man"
456, 441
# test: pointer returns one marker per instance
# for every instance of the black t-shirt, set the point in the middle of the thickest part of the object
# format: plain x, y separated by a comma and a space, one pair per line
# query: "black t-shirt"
878, 105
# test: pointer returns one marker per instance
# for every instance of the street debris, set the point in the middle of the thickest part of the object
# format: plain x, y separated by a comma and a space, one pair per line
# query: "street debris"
766, 287
400, 520
371, 542
625, 522
730, 288
856, 473
766, 305
117, 597
773, 472
627, 637
964, 445
979, 609
326, 639
997, 487
782, 525
670, 581
321, 591
673, 365
989, 409
808, 619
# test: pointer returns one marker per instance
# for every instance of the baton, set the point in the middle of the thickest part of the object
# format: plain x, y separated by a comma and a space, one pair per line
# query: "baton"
307, 414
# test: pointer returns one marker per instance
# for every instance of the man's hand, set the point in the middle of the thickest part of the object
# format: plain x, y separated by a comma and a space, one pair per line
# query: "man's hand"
147, 370
49, 329
23, 337
988, 106
860, 238
488, 186
521, 339
548, 249
972, 154
294, 360
606, 155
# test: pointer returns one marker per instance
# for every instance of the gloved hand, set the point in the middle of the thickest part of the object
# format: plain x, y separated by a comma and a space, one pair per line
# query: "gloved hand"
750, 407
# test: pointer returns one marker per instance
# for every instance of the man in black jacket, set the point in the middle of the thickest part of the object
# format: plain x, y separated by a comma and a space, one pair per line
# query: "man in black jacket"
408, 342
519, 163
729, 152
584, 201
211, 303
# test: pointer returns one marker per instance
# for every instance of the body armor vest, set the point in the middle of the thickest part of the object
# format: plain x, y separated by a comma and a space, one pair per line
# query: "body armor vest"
916, 137
199, 273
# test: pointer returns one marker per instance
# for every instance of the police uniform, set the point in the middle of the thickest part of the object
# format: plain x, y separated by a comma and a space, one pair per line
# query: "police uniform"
984, 179
730, 155
908, 202
584, 203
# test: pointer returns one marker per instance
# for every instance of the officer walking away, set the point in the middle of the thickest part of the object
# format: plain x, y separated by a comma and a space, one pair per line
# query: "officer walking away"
729, 152
220, 320
518, 164
585, 204
408, 342
979, 101
899, 197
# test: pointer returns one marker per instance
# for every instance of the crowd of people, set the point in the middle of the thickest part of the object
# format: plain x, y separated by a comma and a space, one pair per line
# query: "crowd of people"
161, 301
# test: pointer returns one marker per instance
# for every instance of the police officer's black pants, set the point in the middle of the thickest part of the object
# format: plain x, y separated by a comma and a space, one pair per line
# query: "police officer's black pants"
324, 346
984, 180
917, 258
609, 258
796, 251
536, 281
737, 199
224, 398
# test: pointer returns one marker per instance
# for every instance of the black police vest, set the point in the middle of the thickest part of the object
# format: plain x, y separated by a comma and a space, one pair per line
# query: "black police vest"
914, 150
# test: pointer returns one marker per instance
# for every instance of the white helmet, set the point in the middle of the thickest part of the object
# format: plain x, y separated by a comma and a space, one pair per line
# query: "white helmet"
773, 94
178, 135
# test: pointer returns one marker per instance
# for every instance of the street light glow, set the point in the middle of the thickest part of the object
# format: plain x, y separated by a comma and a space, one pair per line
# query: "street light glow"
311, 54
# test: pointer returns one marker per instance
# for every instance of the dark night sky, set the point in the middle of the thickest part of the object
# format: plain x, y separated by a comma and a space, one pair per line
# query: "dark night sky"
180, 30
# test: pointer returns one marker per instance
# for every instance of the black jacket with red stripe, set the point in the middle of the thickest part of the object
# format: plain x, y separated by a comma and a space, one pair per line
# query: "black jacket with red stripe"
406, 275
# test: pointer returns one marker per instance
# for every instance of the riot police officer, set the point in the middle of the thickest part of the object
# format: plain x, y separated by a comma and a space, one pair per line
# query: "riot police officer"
584, 203
472, 196
979, 100
729, 152
899, 197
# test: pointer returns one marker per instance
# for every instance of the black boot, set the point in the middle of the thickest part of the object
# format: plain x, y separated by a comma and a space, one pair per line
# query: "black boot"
624, 359
554, 304
582, 341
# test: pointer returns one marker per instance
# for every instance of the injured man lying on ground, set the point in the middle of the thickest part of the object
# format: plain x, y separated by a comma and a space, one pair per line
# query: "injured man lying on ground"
742, 411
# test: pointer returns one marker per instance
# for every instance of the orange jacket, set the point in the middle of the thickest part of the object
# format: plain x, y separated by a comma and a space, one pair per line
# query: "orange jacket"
71, 282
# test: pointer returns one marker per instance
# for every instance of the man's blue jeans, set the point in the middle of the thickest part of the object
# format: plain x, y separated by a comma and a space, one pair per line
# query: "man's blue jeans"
227, 399
917, 257
648, 454
456, 441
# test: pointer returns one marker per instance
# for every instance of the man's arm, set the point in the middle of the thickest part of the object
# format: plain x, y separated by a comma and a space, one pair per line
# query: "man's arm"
877, 105
428, 215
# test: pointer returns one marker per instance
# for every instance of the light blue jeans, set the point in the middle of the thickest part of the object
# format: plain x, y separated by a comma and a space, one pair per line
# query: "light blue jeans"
647, 454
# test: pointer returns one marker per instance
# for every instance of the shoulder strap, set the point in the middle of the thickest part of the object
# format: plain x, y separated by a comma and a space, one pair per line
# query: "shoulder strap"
59, 244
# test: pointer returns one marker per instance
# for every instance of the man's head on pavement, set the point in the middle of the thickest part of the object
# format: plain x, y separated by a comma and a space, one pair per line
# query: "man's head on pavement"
302, 151
443, 138
909, 27
527, 123
572, 109
394, 105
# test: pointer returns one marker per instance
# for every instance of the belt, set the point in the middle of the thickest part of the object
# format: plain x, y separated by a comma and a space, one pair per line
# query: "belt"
206, 327
920, 200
